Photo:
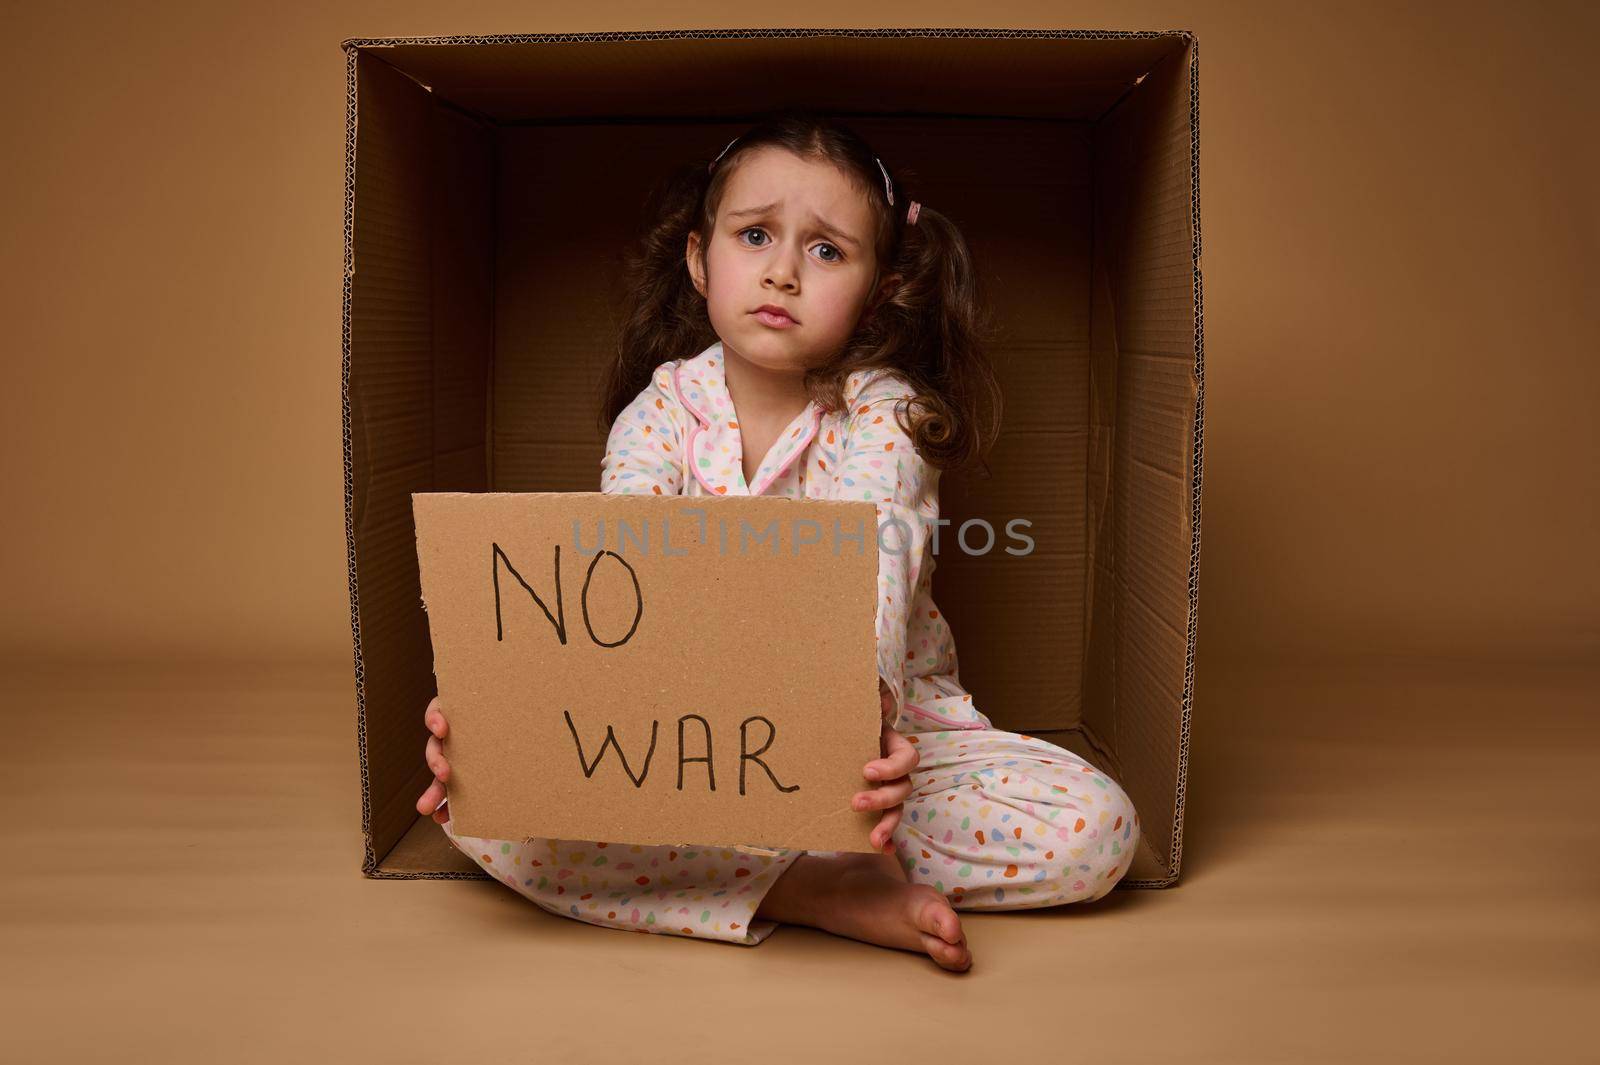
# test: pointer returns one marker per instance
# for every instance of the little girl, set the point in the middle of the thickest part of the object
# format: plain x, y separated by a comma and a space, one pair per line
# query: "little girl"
800, 329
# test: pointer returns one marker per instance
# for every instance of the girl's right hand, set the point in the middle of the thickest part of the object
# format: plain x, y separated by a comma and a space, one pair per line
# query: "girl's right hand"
432, 800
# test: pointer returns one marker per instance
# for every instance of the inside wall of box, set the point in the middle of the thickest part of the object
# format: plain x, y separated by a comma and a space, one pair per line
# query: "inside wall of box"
494, 189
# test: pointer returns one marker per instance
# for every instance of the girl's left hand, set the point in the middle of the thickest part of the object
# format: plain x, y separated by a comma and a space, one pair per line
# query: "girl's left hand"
899, 759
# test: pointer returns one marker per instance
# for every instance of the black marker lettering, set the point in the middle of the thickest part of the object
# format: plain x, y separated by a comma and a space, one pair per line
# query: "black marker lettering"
772, 734
560, 618
638, 600
611, 741
711, 773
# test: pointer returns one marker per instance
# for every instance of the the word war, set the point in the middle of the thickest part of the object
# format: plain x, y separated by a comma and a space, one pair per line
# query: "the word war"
746, 755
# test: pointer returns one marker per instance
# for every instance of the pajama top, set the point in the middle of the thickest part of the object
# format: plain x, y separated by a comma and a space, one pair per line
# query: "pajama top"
684, 420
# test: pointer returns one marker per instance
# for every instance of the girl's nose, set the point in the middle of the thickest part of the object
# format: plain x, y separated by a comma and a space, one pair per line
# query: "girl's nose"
783, 274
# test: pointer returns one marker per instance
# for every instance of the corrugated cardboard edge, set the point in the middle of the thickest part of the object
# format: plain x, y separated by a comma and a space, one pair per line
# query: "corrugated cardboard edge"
351, 47
1175, 860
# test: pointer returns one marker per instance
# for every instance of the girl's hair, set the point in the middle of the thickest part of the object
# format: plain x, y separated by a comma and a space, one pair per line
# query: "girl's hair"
933, 329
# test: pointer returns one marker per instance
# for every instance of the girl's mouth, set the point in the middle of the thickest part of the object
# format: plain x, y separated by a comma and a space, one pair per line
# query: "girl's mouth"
774, 318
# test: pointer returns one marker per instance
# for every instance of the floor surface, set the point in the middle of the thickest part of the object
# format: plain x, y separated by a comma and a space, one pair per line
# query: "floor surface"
1382, 862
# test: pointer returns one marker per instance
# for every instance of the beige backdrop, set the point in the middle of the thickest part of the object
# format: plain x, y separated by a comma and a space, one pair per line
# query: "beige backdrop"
1400, 238
1401, 235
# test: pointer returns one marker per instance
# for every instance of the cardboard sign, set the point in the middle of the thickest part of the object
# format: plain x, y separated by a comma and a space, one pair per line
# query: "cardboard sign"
643, 669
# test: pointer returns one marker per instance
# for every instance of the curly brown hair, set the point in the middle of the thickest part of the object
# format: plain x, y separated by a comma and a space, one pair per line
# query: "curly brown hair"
933, 329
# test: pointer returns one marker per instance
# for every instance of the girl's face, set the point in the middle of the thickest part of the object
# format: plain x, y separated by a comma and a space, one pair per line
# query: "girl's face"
794, 234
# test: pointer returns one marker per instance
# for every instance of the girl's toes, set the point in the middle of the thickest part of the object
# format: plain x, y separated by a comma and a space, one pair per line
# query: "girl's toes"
953, 956
936, 917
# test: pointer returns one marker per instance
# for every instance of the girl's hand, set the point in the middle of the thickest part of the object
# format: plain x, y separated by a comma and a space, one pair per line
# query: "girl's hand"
432, 800
893, 769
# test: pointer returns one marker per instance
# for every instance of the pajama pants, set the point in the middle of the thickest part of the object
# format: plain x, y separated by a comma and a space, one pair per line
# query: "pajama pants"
995, 821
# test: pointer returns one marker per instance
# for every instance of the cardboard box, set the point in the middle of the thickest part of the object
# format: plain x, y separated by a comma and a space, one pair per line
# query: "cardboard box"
491, 183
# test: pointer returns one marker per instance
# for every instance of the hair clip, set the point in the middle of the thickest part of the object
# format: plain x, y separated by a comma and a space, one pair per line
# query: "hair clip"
713, 164
888, 190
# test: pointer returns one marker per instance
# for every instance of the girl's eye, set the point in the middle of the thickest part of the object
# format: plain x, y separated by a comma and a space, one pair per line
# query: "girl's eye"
838, 256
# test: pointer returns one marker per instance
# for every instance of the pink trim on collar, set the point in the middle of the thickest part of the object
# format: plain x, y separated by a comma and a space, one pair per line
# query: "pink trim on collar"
816, 423
678, 387
701, 425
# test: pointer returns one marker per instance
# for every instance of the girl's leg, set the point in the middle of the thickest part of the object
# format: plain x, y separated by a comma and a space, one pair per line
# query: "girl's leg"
704, 892
1001, 821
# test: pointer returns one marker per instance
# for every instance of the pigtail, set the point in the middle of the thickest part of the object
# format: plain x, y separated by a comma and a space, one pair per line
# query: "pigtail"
935, 329
664, 317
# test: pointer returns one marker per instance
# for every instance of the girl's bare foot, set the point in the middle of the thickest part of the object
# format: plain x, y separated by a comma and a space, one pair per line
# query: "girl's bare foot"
866, 897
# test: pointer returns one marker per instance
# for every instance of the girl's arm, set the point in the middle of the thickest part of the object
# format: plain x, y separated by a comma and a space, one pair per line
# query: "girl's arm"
644, 453
877, 462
